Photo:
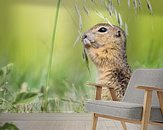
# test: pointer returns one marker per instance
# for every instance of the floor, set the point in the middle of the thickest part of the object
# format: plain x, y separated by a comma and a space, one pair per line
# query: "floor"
51, 121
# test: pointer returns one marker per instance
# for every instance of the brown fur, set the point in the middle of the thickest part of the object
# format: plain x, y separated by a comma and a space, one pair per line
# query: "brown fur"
107, 50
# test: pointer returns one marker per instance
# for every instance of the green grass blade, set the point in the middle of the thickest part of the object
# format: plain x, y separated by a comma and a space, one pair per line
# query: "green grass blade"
51, 52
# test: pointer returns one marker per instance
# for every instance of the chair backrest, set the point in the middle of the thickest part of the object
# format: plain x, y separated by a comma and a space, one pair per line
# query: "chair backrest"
146, 77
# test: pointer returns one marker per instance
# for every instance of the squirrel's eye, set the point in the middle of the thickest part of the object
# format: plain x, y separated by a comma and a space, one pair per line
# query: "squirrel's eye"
102, 29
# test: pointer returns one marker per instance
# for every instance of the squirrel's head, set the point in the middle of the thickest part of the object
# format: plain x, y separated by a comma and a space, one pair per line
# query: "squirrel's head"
102, 35
105, 43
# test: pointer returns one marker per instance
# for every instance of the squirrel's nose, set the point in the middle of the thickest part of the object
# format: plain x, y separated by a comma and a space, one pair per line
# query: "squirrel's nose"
84, 36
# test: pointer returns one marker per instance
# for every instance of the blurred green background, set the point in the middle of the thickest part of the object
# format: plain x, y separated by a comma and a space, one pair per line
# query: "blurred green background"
26, 29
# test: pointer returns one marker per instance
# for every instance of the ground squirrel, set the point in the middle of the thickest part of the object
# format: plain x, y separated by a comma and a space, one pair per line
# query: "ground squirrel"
105, 44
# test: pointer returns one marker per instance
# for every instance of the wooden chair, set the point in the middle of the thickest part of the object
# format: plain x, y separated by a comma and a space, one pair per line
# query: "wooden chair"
138, 107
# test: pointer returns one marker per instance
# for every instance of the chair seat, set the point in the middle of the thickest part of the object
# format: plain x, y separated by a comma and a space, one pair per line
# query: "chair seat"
125, 110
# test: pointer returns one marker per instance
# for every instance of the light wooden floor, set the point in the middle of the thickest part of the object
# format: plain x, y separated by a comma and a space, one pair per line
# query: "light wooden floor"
51, 121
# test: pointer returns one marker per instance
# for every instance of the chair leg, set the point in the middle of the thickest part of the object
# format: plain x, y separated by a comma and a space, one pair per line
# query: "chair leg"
146, 110
94, 123
160, 98
144, 126
124, 125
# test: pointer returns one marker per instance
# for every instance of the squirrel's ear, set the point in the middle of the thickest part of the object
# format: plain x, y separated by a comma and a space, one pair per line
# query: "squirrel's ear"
118, 34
